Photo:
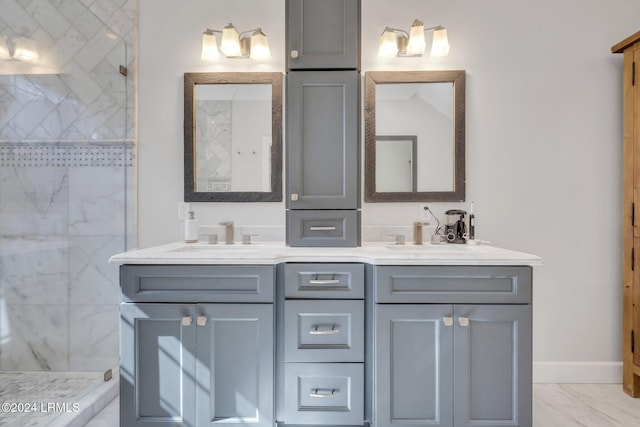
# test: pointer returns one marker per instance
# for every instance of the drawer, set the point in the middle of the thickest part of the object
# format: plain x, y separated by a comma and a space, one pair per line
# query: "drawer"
459, 284
326, 228
197, 283
324, 393
324, 331
326, 281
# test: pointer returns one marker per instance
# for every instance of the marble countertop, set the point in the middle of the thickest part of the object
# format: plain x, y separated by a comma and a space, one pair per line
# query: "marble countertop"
270, 253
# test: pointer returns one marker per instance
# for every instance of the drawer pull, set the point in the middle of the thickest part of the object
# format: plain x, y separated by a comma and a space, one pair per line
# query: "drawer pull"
324, 282
324, 330
463, 321
323, 392
202, 320
322, 228
186, 321
448, 321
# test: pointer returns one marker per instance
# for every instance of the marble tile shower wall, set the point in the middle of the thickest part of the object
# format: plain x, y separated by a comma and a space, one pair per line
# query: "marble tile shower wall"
62, 215
67, 185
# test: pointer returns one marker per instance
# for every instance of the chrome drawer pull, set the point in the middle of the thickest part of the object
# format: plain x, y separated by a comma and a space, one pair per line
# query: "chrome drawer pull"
324, 330
322, 228
324, 282
323, 392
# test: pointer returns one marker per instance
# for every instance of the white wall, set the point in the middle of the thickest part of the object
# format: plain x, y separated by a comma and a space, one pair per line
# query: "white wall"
543, 135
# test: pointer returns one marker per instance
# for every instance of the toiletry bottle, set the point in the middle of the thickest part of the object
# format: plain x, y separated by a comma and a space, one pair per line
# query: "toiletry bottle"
191, 228
472, 224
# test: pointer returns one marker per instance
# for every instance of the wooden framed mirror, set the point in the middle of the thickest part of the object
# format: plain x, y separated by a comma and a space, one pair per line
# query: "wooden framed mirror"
427, 108
233, 137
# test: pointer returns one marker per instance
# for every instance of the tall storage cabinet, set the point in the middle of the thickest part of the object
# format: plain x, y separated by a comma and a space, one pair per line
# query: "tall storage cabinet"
323, 123
630, 47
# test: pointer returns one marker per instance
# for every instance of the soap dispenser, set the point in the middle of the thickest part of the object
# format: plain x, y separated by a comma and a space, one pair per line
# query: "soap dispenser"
191, 228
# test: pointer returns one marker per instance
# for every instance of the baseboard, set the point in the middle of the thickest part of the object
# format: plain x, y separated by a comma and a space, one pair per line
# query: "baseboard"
577, 372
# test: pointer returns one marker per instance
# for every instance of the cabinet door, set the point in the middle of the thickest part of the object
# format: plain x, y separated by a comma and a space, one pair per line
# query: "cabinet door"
413, 366
322, 140
492, 368
235, 368
323, 34
157, 344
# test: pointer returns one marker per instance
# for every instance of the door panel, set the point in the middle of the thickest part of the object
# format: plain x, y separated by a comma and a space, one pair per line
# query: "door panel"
234, 368
322, 140
157, 365
414, 353
492, 371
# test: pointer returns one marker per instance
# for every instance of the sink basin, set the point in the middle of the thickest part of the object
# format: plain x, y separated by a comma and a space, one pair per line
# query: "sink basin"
217, 248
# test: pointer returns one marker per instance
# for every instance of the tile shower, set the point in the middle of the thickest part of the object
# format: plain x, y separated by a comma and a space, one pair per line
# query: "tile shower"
67, 182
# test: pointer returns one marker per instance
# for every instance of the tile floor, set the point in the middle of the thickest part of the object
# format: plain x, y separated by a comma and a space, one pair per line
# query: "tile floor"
554, 405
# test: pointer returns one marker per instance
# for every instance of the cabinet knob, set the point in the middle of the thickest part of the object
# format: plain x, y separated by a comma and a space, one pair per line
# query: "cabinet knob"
186, 321
294, 197
294, 54
463, 321
448, 321
202, 320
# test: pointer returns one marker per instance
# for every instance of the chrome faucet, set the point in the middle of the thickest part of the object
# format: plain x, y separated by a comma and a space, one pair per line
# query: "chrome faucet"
228, 232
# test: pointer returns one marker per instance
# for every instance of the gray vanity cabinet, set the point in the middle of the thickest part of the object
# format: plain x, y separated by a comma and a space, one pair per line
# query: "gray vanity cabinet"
323, 34
322, 158
322, 140
192, 363
458, 364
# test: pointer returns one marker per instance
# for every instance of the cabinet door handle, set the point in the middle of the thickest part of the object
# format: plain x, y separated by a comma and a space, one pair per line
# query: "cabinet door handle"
295, 197
463, 321
320, 392
186, 321
324, 282
294, 54
448, 321
202, 320
322, 228
324, 330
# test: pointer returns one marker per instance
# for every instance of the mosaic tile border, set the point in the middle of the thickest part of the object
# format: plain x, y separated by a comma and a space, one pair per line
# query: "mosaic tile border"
120, 154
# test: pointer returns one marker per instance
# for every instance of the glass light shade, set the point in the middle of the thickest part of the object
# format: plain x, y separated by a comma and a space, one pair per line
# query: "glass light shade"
230, 44
260, 47
388, 45
440, 46
209, 47
4, 47
26, 50
417, 43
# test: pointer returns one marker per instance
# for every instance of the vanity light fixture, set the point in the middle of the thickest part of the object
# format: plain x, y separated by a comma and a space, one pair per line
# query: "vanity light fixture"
395, 42
248, 44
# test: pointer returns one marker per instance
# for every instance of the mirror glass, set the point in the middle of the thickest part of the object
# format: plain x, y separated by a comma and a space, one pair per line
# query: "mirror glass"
414, 136
233, 137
